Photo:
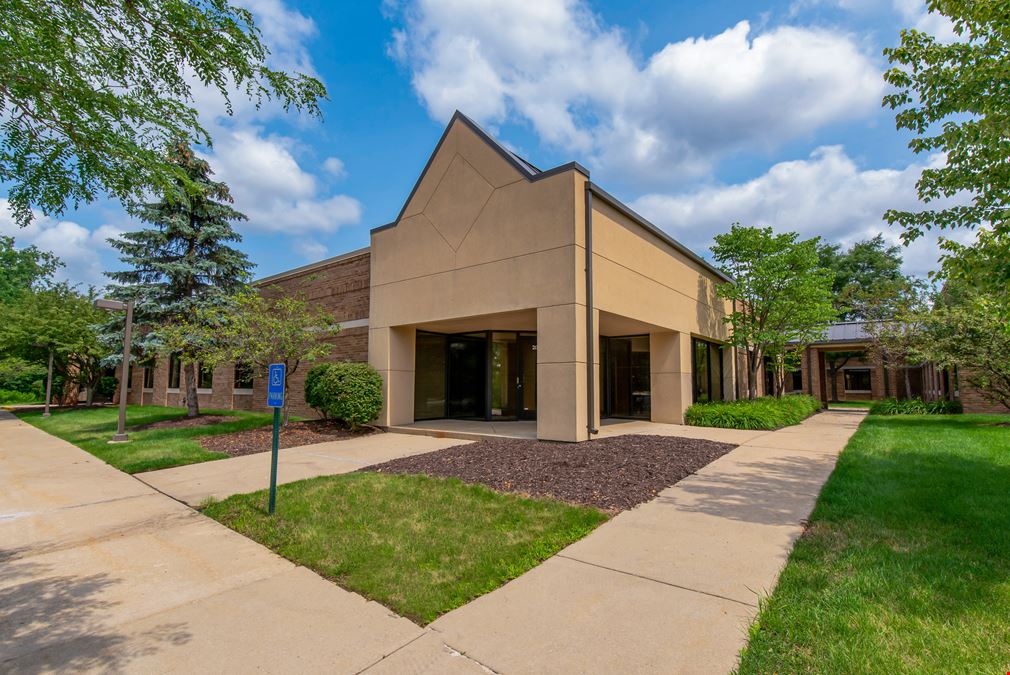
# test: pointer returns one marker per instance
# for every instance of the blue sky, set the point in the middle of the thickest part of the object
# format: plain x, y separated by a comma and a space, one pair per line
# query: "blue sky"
696, 114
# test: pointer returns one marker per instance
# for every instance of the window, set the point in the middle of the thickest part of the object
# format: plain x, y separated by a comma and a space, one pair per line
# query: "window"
243, 376
797, 376
149, 376
205, 378
706, 369
129, 377
857, 380
174, 372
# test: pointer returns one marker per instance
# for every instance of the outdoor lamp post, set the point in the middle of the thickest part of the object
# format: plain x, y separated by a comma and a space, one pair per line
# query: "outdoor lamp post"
117, 306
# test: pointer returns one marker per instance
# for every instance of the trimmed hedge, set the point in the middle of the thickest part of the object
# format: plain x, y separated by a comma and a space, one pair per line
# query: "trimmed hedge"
916, 406
9, 397
766, 412
346, 391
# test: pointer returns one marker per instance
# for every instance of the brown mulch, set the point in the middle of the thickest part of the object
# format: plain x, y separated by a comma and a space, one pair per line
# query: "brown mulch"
293, 434
185, 422
612, 474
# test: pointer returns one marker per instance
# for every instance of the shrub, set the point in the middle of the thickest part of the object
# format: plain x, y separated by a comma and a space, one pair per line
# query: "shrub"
107, 387
21, 376
349, 392
916, 406
766, 412
8, 397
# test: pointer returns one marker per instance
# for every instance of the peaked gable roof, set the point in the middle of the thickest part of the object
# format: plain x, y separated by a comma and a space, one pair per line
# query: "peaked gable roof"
531, 173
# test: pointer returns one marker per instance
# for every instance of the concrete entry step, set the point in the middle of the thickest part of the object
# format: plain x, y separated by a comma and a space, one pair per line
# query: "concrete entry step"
468, 430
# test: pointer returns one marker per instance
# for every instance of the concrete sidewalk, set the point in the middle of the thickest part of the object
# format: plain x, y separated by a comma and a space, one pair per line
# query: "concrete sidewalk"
670, 586
222, 478
100, 573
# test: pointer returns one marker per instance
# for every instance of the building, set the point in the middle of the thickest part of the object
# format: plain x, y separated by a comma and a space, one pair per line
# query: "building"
505, 292
836, 368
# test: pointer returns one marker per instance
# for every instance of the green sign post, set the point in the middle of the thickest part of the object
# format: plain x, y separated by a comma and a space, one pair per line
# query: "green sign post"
275, 399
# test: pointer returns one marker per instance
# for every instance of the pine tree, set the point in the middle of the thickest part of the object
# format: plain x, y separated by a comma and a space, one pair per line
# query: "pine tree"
184, 263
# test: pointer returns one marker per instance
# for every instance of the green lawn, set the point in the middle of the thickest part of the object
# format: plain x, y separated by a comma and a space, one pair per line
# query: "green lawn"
906, 564
421, 546
91, 428
850, 404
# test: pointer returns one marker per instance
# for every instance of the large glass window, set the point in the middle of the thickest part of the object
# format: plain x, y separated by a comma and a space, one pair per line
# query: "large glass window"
706, 370
627, 386
429, 376
149, 376
467, 369
243, 376
174, 371
857, 380
504, 374
204, 378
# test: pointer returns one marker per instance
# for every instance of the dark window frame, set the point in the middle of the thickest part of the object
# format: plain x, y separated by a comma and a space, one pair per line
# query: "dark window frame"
711, 348
201, 374
242, 377
862, 372
174, 372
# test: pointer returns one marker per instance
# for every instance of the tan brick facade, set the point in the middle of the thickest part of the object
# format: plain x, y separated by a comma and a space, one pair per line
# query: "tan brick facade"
339, 285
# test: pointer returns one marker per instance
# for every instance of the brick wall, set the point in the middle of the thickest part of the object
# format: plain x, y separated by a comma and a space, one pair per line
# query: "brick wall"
973, 401
340, 286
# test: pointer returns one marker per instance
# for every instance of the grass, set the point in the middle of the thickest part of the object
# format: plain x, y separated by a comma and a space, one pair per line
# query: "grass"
9, 397
419, 545
905, 566
862, 405
91, 428
766, 412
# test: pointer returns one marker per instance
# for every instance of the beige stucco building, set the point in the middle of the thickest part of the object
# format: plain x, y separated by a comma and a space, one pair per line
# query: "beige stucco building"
503, 292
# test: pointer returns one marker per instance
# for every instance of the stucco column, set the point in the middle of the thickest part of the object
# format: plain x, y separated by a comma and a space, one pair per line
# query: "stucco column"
561, 373
670, 375
391, 352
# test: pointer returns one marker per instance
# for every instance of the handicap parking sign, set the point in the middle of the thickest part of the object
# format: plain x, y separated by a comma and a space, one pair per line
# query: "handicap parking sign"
275, 385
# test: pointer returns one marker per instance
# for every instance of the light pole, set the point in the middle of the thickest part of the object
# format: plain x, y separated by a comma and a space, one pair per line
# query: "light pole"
49, 382
117, 306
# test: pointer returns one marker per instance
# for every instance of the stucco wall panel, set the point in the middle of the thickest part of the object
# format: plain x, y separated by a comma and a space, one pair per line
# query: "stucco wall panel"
457, 201
485, 159
433, 176
414, 248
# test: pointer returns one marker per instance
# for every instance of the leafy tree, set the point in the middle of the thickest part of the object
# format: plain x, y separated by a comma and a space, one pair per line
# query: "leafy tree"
867, 264
895, 325
58, 319
257, 330
90, 93
969, 334
184, 263
23, 269
781, 294
953, 98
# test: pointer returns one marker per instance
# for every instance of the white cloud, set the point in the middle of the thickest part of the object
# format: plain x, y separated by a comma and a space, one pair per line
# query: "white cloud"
553, 64
309, 248
78, 247
917, 14
826, 194
335, 167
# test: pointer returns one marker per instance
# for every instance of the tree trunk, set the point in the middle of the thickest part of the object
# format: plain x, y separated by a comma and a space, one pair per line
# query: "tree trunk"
908, 385
752, 364
192, 404
834, 383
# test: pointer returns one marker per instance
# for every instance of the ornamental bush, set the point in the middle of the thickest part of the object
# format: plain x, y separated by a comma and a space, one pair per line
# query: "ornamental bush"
766, 412
916, 406
346, 391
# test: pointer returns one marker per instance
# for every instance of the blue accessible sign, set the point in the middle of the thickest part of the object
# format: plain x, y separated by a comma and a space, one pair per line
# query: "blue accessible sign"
275, 385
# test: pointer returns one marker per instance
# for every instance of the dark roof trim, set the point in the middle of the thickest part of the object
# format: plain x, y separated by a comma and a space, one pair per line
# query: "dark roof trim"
625, 210
311, 266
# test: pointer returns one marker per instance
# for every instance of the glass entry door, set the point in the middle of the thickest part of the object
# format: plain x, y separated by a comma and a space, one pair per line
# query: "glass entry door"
527, 380
467, 376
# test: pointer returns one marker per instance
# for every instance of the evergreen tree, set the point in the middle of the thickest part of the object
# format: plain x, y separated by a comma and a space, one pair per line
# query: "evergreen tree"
184, 263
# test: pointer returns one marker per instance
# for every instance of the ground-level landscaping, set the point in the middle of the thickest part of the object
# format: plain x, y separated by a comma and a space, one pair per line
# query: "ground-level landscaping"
764, 412
159, 439
419, 545
292, 434
905, 566
613, 473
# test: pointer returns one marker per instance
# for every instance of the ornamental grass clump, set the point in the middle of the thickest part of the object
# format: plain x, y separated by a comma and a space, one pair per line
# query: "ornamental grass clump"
766, 412
916, 406
349, 392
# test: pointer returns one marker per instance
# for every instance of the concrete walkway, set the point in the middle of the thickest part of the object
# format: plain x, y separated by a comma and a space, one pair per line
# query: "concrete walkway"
100, 573
222, 478
670, 586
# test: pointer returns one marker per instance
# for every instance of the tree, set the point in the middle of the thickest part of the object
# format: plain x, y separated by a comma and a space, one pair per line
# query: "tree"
90, 93
953, 98
867, 264
184, 263
968, 334
60, 320
781, 295
256, 331
895, 326
836, 361
23, 269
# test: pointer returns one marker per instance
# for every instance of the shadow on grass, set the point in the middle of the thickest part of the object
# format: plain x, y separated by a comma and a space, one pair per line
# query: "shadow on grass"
53, 622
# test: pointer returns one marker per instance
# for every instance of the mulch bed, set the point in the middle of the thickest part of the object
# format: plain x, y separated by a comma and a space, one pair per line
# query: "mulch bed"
612, 474
185, 422
293, 434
